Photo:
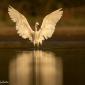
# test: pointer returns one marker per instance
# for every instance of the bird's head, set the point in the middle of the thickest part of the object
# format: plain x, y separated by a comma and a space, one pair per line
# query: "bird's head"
36, 25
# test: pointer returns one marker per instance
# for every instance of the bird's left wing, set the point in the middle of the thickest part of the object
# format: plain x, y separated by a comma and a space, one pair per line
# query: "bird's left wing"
48, 25
22, 26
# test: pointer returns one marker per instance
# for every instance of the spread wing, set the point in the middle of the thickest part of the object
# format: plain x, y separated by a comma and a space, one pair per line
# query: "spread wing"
22, 26
48, 25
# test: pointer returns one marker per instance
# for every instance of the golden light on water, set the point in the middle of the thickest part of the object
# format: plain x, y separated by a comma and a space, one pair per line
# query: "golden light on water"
44, 66
20, 69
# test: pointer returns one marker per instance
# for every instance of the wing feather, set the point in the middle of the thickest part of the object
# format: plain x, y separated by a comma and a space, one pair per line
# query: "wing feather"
48, 25
22, 26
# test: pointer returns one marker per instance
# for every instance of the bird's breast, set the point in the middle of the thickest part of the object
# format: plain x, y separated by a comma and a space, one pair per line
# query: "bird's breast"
35, 36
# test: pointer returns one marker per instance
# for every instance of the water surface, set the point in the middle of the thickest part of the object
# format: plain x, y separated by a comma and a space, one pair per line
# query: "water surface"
43, 67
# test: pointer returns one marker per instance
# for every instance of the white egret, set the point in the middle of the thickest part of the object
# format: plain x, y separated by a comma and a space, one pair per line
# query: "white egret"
37, 36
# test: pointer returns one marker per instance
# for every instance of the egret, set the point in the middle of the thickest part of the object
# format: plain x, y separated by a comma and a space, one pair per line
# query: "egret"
37, 36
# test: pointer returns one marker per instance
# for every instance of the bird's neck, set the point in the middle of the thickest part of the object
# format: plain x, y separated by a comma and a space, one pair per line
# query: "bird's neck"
35, 29
36, 26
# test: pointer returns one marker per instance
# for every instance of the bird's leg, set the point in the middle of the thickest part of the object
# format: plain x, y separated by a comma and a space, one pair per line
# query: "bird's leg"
37, 44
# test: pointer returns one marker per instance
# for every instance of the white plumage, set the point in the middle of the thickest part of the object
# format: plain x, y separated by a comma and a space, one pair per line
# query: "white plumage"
24, 30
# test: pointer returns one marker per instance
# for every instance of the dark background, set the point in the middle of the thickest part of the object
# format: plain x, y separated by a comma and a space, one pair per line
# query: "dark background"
73, 9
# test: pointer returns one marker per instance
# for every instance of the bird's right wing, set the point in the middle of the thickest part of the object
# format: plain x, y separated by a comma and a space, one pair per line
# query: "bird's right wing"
22, 26
48, 25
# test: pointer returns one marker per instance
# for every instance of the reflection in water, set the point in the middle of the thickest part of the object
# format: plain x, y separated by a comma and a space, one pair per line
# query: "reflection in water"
44, 66
20, 69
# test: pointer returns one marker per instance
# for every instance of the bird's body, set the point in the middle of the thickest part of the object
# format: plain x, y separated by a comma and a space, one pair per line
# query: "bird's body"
37, 36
